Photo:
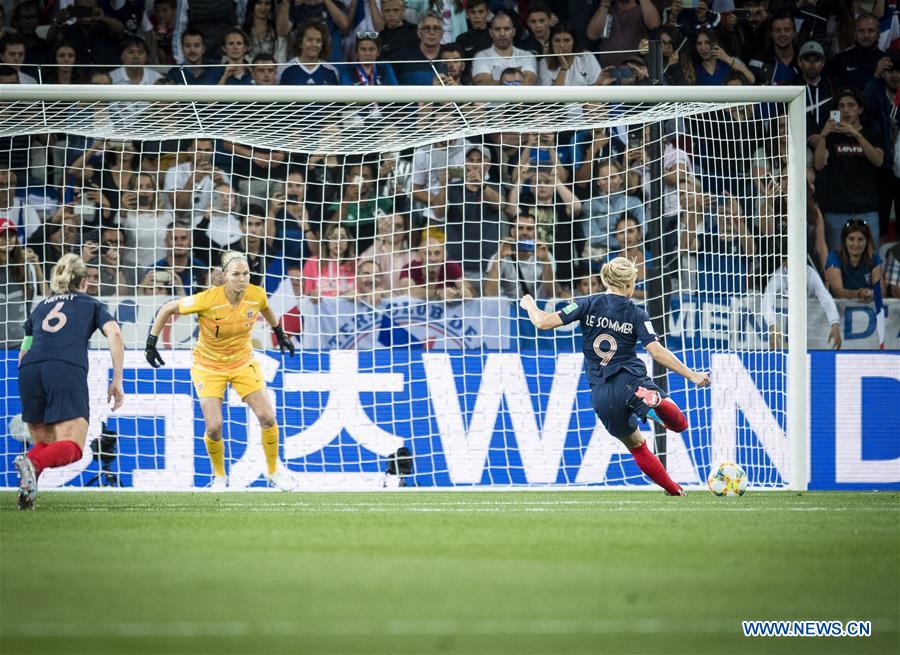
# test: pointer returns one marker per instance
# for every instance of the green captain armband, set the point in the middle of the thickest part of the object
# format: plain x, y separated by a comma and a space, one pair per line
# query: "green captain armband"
26, 342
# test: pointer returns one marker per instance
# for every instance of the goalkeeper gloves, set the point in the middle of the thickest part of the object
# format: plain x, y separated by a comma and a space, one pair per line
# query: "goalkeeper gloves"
284, 341
151, 353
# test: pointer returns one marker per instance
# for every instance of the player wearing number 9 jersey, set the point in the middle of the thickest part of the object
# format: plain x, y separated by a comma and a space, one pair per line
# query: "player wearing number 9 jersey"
53, 369
223, 355
621, 391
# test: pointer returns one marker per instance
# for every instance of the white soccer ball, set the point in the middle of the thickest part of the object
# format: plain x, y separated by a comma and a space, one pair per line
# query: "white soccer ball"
727, 479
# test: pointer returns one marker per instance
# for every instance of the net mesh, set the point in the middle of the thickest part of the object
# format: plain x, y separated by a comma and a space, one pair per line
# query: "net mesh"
394, 241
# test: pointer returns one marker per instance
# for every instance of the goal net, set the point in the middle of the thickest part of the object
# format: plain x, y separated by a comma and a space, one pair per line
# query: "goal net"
394, 232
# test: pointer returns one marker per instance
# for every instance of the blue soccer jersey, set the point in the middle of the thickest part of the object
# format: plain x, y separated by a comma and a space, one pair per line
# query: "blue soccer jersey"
611, 325
61, 327
299, 74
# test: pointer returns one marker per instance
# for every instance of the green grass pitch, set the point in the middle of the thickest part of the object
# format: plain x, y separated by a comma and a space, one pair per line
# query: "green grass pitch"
505, 572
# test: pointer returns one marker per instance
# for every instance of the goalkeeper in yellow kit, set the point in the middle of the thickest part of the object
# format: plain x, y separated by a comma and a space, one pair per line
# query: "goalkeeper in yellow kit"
223, 355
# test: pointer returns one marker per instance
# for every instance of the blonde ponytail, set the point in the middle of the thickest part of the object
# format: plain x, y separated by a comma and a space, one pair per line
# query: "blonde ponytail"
67, 274
620, 273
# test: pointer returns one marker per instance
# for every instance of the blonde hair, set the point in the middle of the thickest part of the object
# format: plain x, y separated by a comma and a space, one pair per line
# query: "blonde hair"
232, 255
67, 274
620, 273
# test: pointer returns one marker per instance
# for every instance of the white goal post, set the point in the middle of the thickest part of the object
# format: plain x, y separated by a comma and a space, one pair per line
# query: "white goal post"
352, 123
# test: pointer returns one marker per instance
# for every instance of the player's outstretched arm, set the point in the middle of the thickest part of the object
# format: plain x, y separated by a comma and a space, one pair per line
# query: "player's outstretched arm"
664, 357
150, 352
117, 351
539, 319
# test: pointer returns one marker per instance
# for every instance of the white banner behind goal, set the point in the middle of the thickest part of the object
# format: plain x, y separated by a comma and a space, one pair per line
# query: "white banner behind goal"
394, 236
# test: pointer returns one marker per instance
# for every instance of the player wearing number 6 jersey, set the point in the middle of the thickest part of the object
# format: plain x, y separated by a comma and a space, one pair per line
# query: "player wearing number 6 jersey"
621, 391
53, 369
223, 355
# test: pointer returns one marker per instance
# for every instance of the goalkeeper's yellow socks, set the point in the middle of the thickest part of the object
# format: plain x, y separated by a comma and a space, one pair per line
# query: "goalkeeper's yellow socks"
216, 451
270, 446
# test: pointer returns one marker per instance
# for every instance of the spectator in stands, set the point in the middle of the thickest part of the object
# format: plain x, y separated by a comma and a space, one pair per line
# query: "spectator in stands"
314, 47
434, 166
780, 64
632, 20
12, 53
211, 18
478, 36
264, 256
116, 279
473, 214
608, 205
671, 40
334, 15
367, 285
523, 264
59, 235
432, 277
157, 282
556, 210
159, 37
693, 19
143, 219
588, 285
94, 34
21, 281
452, 12
297, 224
220, 226
541, 150
453, 69
189, 184
847, 161
819, 89
536, 39
568, 64
66, 69
14, 208
234, 69
358, 206
709, 64
490, 63
775, 295
264, 70
749, 37
178, 260
892, 270
134, 64
368, 71
397, 34
855, 267
26, 17
391, 250
629, 236
725, 251
880, 99
259, 26
417, 67
592, 148
334, 272
855, 66
193, 71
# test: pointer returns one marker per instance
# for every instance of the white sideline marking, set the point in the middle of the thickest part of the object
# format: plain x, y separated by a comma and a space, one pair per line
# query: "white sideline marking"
537, 626
716, 505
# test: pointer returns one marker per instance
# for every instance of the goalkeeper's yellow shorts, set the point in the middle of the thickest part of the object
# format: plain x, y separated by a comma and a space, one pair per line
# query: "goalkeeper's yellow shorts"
210, 383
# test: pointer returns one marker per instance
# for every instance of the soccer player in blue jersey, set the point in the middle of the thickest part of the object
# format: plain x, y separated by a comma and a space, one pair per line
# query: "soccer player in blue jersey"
53, 368
621, 391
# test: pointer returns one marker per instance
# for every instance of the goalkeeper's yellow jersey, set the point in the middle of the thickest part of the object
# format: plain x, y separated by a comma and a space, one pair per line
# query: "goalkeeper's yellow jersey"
224, 342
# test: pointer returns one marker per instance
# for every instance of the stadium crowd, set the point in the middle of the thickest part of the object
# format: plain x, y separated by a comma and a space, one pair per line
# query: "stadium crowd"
507, 215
